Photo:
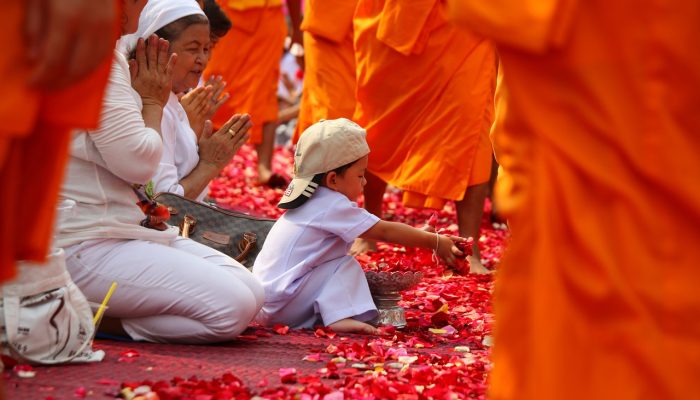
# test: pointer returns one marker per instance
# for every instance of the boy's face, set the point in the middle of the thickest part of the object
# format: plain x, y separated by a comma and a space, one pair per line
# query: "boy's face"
352, 182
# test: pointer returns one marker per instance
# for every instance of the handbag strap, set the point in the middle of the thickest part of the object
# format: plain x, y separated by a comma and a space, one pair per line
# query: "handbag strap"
246, 245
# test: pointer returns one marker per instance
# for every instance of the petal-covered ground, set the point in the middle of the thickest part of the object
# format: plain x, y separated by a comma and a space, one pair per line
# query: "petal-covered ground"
441, 354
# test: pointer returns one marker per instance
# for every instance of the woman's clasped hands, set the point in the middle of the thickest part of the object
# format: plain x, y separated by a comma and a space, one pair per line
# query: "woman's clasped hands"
203, 102
217, 148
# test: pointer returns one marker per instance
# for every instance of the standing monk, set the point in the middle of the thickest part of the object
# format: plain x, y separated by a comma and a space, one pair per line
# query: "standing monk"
54, 69
425, 97
329, 63
597, 297
248, 58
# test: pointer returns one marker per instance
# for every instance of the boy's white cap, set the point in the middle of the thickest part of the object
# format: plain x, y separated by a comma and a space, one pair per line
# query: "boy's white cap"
323, 147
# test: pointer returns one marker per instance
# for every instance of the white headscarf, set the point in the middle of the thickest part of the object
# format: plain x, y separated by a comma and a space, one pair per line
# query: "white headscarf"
157, 14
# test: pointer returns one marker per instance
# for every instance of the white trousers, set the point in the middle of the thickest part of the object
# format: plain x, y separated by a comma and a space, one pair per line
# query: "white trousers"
182, 293
330, 292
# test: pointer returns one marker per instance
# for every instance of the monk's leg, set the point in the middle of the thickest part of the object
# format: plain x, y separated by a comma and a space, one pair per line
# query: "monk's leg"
495, 217
469, 213
374, 195
265, 150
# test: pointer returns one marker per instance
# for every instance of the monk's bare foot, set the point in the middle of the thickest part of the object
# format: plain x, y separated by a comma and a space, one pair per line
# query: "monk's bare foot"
264, 175
476, 267
349, 325
362, 246
271, 179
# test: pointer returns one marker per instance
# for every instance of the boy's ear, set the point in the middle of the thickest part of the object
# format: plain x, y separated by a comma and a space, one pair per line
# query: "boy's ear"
330, 179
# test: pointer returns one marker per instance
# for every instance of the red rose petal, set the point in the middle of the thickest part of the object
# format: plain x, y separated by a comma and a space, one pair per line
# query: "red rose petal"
281, 329
288, 375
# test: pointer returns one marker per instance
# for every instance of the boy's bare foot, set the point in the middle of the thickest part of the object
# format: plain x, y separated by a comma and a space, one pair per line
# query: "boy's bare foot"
362, 246
349, 325
476, 267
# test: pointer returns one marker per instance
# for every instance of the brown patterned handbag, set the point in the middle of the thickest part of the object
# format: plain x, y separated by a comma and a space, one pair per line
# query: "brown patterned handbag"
233, 233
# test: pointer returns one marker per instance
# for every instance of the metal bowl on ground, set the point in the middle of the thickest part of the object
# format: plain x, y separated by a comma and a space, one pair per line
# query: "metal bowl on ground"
386, 290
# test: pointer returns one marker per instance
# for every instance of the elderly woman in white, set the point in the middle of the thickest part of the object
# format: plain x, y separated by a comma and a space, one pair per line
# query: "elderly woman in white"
170, 289
191, 157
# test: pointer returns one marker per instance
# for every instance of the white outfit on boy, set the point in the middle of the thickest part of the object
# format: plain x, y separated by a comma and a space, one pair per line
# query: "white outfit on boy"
304, 265
170, 289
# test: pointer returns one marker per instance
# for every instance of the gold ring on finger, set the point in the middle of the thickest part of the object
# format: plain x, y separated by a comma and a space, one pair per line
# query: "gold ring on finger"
232, 132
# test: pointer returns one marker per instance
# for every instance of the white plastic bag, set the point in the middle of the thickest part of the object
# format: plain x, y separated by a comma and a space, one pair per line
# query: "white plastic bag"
45, 319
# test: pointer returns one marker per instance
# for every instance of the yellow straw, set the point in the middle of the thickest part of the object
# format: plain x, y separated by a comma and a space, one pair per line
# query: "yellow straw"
101, 310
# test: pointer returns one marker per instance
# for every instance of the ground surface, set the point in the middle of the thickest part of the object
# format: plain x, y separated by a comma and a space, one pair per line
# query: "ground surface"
442, 353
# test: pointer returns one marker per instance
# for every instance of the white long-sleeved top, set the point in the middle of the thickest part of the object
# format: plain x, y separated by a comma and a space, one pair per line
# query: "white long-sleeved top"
180, 150
105, 163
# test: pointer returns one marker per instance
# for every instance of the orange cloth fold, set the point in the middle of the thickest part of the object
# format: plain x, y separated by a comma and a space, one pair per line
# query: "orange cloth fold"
329, 19
248, 58
329, 75
248, 4
427, 113
597, 295
34, 140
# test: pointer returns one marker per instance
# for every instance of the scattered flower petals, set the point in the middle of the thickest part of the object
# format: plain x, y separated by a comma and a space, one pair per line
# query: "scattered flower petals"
316, 357
442, 353
288, 375
131, 353
281, 329
24, 371
81, 392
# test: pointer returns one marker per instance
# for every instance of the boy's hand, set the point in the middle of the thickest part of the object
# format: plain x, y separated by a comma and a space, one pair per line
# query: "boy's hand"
466, 246
447, 249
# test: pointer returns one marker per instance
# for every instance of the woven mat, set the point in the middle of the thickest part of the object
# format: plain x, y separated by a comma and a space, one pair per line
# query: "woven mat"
251, 360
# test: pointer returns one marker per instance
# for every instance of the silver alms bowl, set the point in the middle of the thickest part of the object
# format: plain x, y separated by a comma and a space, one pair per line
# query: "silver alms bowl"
385, 288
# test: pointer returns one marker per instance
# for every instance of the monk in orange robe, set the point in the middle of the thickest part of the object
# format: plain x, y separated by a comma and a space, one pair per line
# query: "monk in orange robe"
597, 297
329, 63
248, 58
425, 96
54, 68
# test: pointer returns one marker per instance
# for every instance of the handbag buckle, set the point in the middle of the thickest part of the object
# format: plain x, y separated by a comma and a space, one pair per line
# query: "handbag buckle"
187, 225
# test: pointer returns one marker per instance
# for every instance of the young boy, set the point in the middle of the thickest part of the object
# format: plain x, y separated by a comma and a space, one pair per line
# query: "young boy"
304, 264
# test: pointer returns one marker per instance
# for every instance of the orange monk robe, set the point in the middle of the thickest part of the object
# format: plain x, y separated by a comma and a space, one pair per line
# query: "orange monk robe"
34, 136
425, 97
248, 58
329, 63
597, 297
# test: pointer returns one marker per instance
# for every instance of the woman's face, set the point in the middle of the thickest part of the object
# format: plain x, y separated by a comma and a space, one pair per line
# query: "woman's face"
192, 48
130, 15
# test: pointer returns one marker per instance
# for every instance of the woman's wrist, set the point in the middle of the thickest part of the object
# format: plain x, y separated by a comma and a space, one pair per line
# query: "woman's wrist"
152, 115
209, 166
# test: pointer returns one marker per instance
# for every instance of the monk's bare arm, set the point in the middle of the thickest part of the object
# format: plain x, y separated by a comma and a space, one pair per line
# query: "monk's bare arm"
67, 39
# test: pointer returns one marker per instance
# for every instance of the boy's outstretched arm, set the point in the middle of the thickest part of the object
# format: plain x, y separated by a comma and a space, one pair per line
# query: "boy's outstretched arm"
396, 232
